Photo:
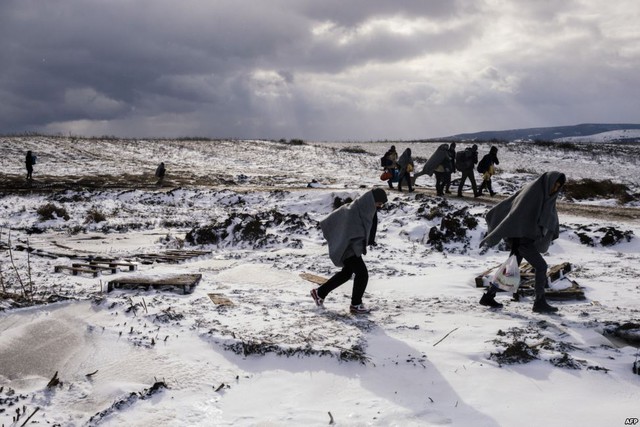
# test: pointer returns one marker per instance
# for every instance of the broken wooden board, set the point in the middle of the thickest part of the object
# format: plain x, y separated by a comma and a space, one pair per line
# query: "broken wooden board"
171, 256
220, 299
527, 282
185, 281
132, 266
76, 270
314, 278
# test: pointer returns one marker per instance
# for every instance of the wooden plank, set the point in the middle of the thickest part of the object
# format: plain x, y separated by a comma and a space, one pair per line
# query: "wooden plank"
113, 270
113, 263
314, 278
186, 281
220, 299
527, 282
76, 270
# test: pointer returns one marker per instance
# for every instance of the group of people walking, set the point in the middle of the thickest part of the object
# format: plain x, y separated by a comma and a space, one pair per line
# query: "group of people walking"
443, 164
527, 221
398, 169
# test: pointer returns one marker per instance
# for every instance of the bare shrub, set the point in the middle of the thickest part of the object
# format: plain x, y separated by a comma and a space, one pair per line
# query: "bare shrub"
591, 189
354, 150
94, 215
51, 211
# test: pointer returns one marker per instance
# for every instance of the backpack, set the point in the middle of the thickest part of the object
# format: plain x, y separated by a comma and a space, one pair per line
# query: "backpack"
384, 161
464, 160
483, 166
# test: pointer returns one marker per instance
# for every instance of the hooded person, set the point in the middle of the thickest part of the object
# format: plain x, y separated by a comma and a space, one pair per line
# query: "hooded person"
466, 163
405, 164
454, 169
160, 172
487, 168
390, 163
528, 221
348, 230
29, 162
439, 164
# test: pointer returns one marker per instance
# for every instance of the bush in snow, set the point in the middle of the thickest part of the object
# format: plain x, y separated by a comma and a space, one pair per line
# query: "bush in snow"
591, 189
354, 150
606, 236
94, 215
453, 227
252, 229
51, 211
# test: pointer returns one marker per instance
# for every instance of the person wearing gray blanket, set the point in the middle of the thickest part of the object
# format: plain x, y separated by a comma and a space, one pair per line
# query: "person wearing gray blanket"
528, 221
348, 231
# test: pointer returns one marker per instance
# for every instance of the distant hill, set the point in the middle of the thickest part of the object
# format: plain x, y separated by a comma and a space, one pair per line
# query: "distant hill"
588, 132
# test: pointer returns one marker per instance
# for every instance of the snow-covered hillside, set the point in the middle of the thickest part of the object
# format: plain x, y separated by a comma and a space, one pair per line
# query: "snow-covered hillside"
427, 355
605, 137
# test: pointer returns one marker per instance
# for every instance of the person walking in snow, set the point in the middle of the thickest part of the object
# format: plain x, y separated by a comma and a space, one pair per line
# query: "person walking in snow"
452, 159
439, 164
30, 160
487, 168
348, 231
405, 164
528, 221
390, 163
466, 163
160, 173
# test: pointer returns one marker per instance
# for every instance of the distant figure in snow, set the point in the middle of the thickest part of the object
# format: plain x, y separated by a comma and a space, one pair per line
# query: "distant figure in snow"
465, 162
160, 173
348, 231
405, 165
487, 168
528, 221
30, 160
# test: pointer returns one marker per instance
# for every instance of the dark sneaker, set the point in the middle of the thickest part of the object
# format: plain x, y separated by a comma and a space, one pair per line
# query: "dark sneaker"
359, 309
493, 193
489, 301
479, 194
541, 306
319, 301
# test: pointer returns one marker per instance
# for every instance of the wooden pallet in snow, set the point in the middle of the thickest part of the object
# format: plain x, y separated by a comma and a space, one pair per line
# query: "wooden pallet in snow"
185, 281
527, 282
170, 257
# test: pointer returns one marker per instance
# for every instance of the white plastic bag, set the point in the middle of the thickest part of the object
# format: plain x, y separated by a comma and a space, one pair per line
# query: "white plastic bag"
507, 276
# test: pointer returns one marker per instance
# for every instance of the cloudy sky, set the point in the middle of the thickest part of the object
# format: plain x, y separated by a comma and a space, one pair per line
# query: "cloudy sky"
315, 69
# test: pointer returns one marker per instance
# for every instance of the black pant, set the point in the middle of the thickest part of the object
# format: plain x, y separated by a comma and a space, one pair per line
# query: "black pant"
486, 183
354, 265
442, 179
525, 248
468, 174
448, 182
405, 176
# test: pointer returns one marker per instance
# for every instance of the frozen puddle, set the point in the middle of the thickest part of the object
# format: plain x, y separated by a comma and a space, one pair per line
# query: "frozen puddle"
70, 338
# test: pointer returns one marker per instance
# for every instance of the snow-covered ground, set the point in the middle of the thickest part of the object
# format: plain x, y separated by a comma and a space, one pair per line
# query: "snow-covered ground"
427, 355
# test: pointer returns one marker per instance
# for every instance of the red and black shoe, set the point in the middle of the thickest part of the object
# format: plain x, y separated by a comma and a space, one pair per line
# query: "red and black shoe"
319, 301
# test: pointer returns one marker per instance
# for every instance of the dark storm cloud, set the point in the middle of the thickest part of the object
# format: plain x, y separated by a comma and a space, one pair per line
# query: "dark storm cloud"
315, 69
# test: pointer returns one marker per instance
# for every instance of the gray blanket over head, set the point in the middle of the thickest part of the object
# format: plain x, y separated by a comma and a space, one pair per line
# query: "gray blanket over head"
347, 228
436, 159
530, 213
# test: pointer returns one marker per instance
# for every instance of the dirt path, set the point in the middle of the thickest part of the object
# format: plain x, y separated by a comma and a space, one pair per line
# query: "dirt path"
49, 184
